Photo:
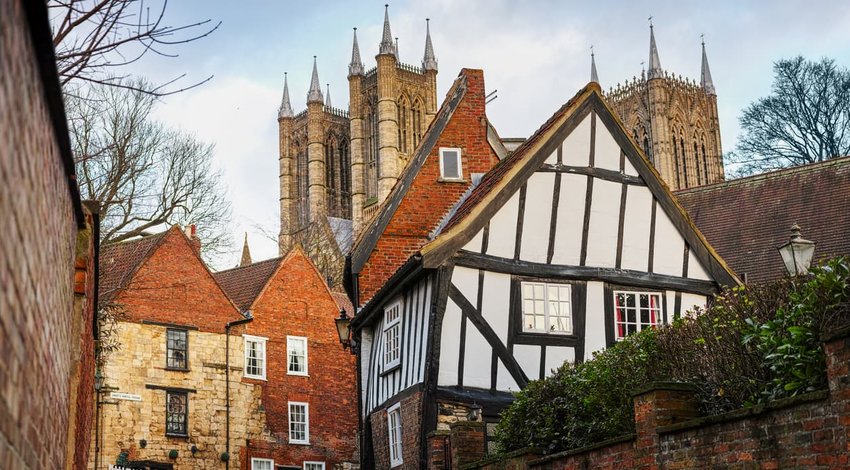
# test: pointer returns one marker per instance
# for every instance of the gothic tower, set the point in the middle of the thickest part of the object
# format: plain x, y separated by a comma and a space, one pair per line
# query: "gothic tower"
391, 106
342, 164
674, 120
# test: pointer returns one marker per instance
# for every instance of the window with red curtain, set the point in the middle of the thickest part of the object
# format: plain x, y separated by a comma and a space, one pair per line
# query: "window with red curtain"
635, 311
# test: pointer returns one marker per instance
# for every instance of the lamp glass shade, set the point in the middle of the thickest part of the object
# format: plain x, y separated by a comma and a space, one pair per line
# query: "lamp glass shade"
797, 255
343, 327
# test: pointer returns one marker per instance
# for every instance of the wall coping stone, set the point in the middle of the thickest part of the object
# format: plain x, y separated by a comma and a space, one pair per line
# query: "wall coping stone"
745, 412
500, 457
665, 386
580, 450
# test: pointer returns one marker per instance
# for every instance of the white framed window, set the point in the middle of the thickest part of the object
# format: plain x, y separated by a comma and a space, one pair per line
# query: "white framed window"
450, 164
547, 308
262, 464
635, 311
299, 423
255, 357
296, 355
394, 428
392, 335
314, 466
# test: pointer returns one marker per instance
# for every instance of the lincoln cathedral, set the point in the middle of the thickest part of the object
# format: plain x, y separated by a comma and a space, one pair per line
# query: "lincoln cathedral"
337, 166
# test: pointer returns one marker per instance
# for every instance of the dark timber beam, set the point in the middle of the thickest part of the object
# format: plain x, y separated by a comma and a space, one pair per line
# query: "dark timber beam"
601, 173
619, 276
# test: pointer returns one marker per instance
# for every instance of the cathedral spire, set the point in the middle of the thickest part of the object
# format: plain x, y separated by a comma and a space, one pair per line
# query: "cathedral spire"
285, 110
387, 46
429, 61
654, 62
246, 253
705, 75
593, 76
356, 65
315, 93
328, 96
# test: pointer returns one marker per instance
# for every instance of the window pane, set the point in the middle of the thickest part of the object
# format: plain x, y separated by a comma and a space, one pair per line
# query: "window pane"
176, 349
175, 413
450, 167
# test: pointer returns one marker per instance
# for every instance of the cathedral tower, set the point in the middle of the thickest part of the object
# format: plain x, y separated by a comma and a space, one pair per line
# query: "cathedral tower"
674, 120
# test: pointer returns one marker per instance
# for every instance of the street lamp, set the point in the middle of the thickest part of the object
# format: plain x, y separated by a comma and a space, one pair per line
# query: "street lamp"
343, 329
797, 253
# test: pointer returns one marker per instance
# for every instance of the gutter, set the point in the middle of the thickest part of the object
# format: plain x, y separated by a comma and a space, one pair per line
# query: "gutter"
227, 328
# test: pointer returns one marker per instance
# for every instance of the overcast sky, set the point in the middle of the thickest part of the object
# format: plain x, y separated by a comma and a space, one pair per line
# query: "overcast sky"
536, 53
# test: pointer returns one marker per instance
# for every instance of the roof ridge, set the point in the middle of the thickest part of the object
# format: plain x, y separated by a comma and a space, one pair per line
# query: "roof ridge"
229, 270
768, 175
136, 240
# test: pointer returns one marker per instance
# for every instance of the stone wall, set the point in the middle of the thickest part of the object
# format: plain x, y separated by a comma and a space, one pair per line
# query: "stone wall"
808, 431
39, 331
138, 370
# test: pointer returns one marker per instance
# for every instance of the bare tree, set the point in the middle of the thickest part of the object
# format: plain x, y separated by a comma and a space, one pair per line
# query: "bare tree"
806, 118
144, 174
93, 37
323, 243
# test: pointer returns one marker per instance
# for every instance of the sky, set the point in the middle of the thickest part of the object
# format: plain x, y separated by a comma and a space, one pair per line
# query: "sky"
535, 53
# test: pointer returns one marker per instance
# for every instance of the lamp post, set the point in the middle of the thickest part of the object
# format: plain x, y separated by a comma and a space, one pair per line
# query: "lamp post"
797, 253
343, 329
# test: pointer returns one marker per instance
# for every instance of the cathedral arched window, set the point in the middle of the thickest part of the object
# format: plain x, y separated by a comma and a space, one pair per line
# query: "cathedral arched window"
417, 111
704, 158
371, 168
331, 175
697, 162
302, 187
676, 159
684, 159
403, 130
345, 178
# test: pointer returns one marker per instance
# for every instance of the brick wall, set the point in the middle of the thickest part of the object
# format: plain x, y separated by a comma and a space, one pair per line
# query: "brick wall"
37, 250
809, 431
428, 200
411, 422
297, 302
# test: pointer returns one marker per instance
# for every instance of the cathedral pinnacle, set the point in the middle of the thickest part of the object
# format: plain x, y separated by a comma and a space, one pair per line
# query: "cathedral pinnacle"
429, 61
705, 75
387, 46
655, 70
328, 96
285, 110
315, 93
246, 253
593, 76
356, 65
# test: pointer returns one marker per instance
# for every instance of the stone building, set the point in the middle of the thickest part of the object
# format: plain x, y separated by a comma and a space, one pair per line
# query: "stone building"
48, 254
674, 121
343, 164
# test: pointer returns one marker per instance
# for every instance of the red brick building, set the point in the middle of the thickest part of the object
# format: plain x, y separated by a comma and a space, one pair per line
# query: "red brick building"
308, 381
48, 255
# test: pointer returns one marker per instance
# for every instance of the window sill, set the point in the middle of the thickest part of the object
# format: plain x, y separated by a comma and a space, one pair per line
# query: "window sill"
300, 443
298, 374
254, 377
177, 436
390, 369
177, 369
451, 180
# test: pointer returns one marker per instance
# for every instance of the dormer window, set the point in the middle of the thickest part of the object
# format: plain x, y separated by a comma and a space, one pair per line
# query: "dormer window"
450, 164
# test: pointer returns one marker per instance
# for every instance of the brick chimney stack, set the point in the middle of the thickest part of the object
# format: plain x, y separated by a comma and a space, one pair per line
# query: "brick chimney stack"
192, 234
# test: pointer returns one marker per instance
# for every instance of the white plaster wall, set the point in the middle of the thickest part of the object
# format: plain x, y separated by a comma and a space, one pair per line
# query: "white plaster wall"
495, 303
476, 361
556, 356
607, 151
604, 219
502, 235
669, 246
689, 301
636, 228
595, 318
695, 268
449, 345
528, 358
568, 229
474, 245
630, 169
671, 305
552, 158
537, 215
466, 281
504, 379
577, 145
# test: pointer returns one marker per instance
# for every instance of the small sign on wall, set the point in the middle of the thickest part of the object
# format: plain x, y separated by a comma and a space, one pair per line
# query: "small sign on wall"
125, 396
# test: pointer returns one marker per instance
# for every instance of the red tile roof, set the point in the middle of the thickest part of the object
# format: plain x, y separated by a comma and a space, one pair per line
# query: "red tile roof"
244, 284
120, 261
344, 303
746, 219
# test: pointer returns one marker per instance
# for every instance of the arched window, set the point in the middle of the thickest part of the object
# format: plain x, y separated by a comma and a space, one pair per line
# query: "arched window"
697, 162
331, 174
302, 185
416, 122
371, 168
684, 158
704, 158
403, 130
344, 179
676, 158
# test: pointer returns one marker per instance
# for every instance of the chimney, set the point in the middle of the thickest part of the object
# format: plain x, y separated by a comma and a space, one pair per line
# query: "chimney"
192, 234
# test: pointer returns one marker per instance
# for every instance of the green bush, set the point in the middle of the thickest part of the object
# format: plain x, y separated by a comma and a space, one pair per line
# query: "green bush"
581, 403
752, 344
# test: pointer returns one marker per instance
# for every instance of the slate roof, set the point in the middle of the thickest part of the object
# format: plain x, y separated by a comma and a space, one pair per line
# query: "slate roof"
120, 261
243, 284
746, 219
